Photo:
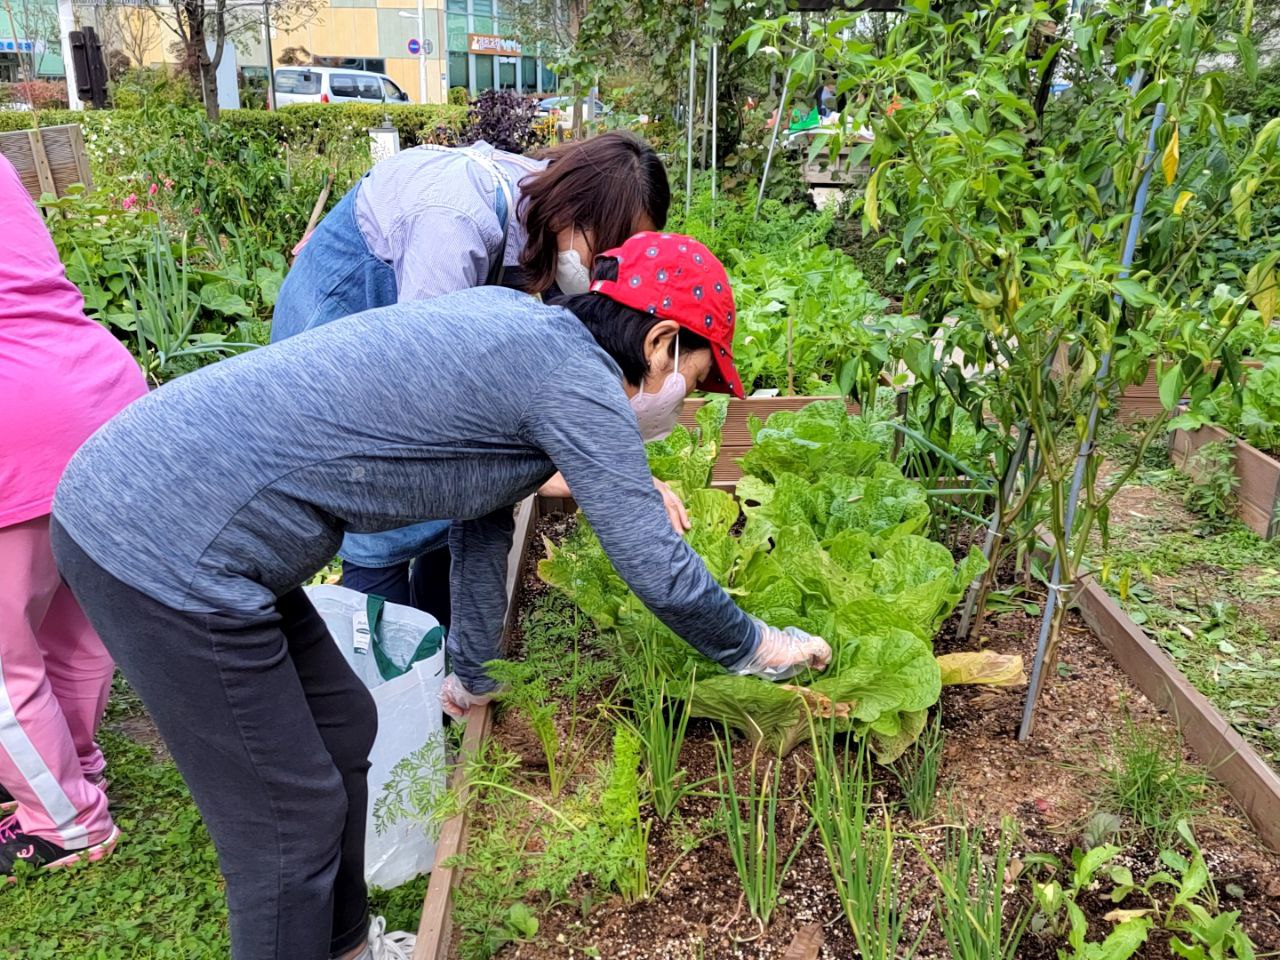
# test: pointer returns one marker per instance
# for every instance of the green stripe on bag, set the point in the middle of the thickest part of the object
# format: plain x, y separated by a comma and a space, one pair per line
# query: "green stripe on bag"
387, 668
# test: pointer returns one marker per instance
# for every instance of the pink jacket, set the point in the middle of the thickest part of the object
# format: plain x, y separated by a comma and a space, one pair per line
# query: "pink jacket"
61, 374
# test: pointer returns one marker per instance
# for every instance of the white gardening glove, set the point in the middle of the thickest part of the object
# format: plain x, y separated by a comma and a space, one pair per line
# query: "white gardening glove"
457, 699
781, 654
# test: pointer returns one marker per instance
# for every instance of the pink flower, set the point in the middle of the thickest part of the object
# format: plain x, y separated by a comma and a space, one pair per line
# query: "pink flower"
196, 211
168, 184
130, 201
151, 190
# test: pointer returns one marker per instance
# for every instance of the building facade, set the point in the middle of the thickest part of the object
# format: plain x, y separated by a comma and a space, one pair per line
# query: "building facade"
480, 50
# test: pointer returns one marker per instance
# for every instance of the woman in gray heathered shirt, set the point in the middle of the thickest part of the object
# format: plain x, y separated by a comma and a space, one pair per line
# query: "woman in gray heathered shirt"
187, 525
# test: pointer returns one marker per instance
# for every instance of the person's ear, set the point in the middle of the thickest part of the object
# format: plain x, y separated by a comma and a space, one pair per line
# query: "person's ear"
658, 345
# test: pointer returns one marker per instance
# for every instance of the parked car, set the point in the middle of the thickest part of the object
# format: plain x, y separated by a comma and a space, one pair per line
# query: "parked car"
335, 85
564, 105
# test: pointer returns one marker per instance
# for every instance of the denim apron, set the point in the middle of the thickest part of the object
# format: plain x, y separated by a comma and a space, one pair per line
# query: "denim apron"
337, 275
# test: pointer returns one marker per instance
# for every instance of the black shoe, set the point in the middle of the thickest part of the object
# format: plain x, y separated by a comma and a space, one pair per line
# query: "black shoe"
7, 803
16, 846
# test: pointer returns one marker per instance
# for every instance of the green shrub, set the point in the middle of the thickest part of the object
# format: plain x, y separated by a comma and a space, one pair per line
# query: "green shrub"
417, 123
459, 96
253, 174
153, 86
1259, 98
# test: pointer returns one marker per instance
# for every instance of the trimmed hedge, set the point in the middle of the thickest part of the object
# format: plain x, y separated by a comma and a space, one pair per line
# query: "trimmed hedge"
417, 123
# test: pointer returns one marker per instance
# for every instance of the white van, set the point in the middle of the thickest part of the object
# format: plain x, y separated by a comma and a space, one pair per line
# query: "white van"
335, 85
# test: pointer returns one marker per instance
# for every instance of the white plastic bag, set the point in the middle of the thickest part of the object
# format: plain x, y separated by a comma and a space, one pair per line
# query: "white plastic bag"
409, 714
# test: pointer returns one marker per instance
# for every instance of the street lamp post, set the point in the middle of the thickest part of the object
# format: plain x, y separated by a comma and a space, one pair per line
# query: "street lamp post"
271, 66
421, 17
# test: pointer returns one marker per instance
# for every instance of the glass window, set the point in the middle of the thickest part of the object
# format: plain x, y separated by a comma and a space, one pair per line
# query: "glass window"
483, 20
393, 92
344, 85
456, 6
484, 73
528, 75
297, 81
456, 27
549, 82
506, 73
459, 74
370, 88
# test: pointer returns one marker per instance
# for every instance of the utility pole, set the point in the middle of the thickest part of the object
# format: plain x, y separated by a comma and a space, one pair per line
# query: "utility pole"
422, 52
67, 23
271, 60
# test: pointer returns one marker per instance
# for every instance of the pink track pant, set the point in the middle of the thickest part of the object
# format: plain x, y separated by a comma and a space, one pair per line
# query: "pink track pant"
55, 676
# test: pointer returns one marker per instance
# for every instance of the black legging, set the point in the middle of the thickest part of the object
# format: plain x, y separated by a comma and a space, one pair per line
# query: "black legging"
271, 730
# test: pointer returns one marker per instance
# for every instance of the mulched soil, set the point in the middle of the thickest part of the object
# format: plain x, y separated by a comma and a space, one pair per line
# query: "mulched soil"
1049, 785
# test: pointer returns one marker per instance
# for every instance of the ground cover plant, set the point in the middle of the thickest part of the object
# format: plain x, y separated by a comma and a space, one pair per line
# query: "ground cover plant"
1204, 588
808, 322
160, 894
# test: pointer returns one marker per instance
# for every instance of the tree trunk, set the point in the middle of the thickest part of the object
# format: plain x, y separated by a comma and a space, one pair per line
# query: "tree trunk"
197, 41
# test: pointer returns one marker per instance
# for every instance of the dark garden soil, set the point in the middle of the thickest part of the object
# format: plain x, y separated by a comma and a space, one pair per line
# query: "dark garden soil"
1050, 786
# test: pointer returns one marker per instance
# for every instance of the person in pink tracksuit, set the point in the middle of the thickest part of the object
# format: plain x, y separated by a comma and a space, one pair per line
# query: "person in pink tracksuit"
61, 377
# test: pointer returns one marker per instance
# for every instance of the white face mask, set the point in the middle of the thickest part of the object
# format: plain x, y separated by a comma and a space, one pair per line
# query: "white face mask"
657, 413
571, 276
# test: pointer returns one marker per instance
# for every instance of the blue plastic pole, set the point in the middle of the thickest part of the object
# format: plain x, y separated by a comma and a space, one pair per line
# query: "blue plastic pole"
1086, 445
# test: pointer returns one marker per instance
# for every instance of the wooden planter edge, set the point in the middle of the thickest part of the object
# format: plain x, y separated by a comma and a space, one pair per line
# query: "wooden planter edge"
1258, 495
435, 929
1230, 759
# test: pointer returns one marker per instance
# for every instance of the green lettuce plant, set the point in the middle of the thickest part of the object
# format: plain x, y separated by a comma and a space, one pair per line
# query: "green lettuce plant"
830, 549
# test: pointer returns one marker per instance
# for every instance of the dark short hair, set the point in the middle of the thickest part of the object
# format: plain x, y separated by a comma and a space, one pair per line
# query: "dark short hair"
604, 185
621, 330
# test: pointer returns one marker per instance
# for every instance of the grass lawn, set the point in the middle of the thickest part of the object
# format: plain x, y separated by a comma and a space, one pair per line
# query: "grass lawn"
159, 895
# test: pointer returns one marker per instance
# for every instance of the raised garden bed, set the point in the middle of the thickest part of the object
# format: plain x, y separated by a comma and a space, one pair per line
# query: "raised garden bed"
1050, 787
1095, 720
1258, 493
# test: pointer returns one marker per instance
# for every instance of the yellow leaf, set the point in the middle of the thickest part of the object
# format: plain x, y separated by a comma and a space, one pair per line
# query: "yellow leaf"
1124, 916
1261, 289
871, 206
1181, 202
982, 666
1170, 162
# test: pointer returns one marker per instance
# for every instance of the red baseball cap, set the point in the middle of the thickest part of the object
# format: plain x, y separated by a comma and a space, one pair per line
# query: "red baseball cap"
675, 277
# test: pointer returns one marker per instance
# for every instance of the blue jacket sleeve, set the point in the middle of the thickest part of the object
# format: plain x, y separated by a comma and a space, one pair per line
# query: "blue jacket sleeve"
586, 427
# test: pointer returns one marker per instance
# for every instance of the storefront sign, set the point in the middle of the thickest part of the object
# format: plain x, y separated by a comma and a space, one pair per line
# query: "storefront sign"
18, 46
486, 43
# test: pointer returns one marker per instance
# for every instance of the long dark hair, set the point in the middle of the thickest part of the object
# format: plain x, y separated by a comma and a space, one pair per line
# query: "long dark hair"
604, 186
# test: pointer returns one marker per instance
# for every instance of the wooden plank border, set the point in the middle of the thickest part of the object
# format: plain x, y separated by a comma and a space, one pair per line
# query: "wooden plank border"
1230, 759
435, 929
1258, 494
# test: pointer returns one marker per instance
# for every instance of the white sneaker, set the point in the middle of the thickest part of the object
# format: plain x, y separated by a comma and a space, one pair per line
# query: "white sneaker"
389, 946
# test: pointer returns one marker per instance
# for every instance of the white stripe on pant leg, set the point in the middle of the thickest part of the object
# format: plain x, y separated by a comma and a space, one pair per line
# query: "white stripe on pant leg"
25, 756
